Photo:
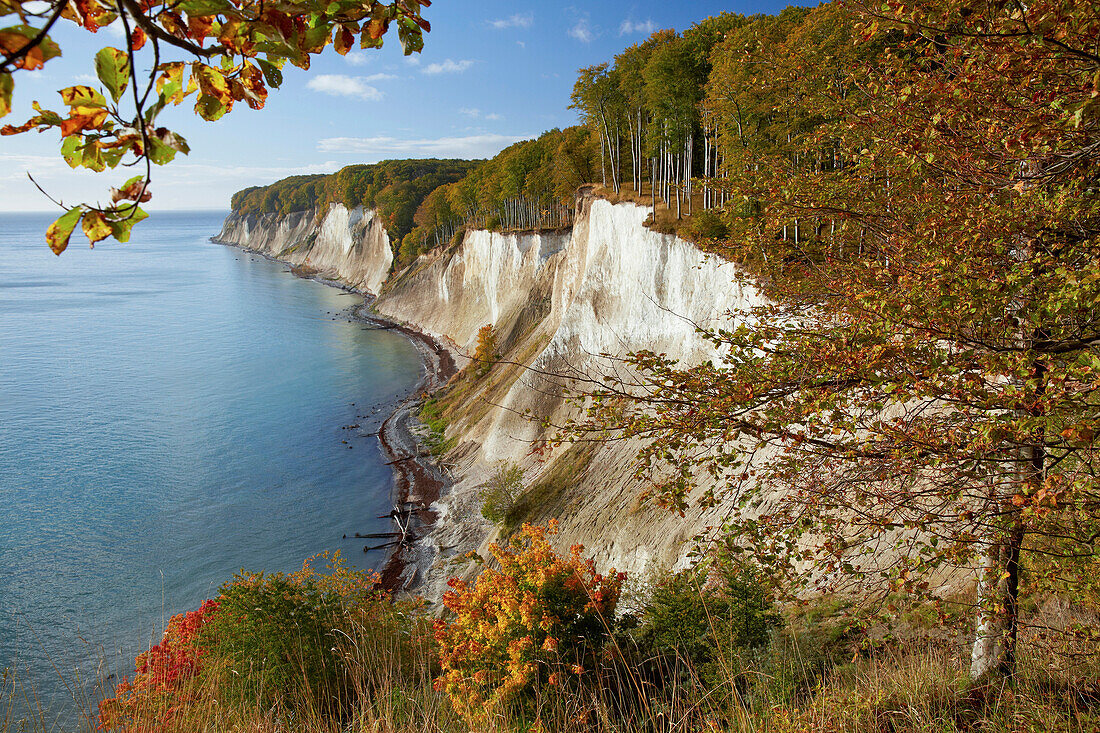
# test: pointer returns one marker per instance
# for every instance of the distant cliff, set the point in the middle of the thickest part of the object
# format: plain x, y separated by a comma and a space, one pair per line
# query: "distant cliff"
558, 300
350, 246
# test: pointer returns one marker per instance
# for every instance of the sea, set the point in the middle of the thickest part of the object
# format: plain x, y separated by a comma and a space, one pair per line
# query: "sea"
172, 411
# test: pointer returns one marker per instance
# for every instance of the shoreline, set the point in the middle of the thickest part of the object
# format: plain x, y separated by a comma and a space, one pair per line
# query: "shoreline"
417, 480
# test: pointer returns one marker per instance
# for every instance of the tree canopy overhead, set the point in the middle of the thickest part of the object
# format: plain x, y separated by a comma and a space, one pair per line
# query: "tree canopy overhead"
218, 51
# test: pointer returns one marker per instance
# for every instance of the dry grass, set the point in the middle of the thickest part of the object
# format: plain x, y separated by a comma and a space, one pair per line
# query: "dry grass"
915, 686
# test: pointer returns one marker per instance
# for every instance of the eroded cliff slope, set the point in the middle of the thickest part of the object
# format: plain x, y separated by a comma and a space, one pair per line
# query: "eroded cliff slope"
559, 301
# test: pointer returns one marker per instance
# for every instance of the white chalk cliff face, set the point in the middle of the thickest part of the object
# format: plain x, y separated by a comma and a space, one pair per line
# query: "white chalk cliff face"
611, 286
347, 245
558, 301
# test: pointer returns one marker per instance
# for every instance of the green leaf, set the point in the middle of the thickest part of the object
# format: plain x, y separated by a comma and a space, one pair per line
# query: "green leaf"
410, 35
113, 69
120, 228
205, 7
160, 153
272, 74
93, 158
6, 87
71, 152
57, 236
209, 108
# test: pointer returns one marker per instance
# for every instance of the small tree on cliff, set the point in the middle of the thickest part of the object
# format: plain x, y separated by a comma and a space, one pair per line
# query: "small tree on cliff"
234, 50
920, 394
485, 354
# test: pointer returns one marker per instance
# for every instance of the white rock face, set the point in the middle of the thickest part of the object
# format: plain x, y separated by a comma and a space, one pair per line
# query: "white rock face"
350, 246
611, 286
558, 301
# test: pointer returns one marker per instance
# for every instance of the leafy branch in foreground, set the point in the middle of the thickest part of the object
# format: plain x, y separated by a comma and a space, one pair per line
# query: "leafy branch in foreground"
232, 50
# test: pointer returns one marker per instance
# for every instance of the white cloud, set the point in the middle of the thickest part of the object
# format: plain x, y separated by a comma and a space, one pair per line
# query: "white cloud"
379, 148
519, 20
477, 114
630, 27
582, 31
357, 58
347, 86
448, 66
412, 60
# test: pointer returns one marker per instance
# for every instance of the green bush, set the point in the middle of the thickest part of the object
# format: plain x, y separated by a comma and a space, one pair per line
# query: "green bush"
715, 617
279, 640
707, 225
498, 494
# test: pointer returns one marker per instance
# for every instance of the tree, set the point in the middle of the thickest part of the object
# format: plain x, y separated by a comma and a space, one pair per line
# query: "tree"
917, 396
485, 354
232, 51
499, 492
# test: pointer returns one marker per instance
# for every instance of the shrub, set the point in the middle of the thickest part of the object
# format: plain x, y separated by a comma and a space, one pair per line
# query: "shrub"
537, 620
707, 225
485, 352
711, 616
431, 416
163, 676
498, 494
280, 637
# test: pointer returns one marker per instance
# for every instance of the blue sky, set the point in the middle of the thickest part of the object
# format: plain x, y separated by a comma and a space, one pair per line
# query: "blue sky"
491, 73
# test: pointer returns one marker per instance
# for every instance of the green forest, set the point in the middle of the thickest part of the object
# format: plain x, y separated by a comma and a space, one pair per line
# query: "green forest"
665, 122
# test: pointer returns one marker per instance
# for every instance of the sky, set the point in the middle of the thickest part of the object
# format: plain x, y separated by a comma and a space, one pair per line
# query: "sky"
491, 73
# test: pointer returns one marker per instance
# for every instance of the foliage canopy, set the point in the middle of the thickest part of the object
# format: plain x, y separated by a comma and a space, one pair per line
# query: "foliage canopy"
219, 51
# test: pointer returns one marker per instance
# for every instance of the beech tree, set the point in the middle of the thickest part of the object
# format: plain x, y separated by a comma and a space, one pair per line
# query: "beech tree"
916, 399
219, 51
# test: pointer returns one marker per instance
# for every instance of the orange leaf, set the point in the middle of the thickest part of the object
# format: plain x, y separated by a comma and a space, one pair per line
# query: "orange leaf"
82, 118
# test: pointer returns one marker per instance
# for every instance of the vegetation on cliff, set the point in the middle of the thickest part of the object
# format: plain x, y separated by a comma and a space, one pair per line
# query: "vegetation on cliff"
913, 187
917, 400
393, 188
536, 644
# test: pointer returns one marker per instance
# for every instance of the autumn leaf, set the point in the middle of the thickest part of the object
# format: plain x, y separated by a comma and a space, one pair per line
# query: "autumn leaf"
131, 191
95, 226
6, 86
57, 236
113, 69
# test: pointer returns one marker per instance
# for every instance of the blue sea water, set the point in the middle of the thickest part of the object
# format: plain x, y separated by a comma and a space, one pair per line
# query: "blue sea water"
171, 411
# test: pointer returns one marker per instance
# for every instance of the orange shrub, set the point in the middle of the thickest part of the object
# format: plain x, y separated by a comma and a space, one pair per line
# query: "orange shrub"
161, 676
537, 620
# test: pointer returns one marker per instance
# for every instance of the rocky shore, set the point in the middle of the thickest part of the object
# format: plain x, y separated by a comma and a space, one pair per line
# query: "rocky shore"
418, 480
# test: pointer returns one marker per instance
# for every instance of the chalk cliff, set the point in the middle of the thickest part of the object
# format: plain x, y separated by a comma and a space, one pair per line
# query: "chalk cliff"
347, 245
559, 300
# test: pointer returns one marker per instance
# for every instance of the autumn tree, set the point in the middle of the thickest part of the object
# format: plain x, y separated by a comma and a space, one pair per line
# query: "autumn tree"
915, 398
485, 353
220, 52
